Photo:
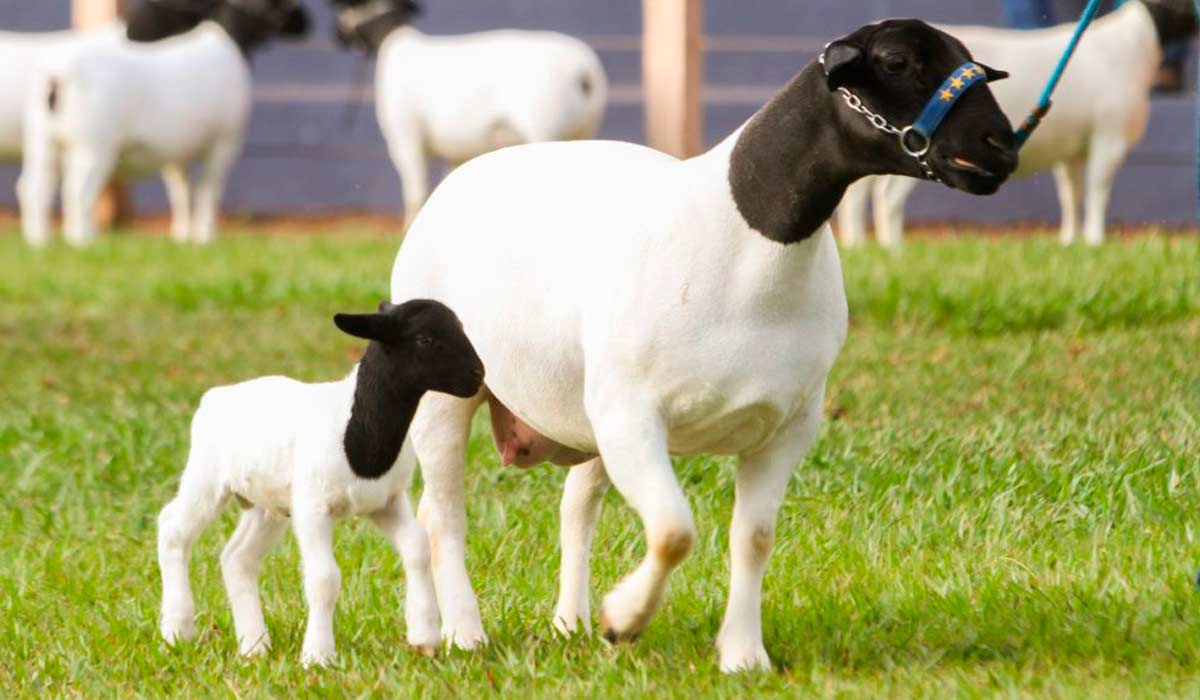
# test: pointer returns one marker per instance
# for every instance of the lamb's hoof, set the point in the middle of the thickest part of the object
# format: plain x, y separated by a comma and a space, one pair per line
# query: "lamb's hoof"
316, 658
179, 629
739, 662
614, 636
466, 641
570, 625
257, 648
427, 650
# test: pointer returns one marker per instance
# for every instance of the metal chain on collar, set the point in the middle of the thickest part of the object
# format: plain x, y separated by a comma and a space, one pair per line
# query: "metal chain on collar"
879, 122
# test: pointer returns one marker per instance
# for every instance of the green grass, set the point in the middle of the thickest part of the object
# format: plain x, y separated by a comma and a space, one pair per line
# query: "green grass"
1004, 499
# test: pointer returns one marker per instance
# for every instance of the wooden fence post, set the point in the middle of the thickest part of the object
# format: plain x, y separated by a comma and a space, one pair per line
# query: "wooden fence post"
673, 74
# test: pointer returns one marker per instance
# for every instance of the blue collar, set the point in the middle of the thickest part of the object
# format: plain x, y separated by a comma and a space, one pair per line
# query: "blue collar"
938, 106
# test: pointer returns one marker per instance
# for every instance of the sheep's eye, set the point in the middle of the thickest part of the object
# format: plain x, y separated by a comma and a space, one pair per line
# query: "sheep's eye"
895, 64
424, 342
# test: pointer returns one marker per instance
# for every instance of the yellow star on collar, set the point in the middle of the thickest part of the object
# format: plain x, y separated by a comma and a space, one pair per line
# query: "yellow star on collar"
947, 95
968, 72
958, 83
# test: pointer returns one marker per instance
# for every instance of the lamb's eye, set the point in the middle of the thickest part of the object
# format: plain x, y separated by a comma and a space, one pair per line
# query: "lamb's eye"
424, 342
895, 64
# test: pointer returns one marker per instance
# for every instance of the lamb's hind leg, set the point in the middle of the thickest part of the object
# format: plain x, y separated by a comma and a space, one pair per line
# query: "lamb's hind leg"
583, 495
322, 580
241, 562
397, 523
439, 434
179, 524
761, 481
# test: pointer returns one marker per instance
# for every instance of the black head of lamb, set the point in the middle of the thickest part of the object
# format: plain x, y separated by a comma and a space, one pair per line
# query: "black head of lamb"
252, 23
364, 24
154, 20
419, 344
895, 68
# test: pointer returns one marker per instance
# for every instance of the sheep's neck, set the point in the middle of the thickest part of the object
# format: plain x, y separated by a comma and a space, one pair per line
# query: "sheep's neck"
380, 416
250, 33
788, 171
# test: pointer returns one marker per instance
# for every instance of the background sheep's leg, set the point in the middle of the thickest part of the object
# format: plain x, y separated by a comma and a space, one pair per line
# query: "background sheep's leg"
175, 178
891, 194
179, 524
87, 170
211, 186
439, 432
420, 603
761, 482
1105, 155
1068, 180
407, 149
36, 187
852, 213
583, 496
322, 581
633, 444
241, 562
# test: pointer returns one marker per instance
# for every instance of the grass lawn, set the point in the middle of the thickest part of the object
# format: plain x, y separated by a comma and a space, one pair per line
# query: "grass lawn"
1004, 498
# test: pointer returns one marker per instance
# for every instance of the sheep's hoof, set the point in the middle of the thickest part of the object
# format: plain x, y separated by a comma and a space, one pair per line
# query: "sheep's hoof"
613, 636
426, 650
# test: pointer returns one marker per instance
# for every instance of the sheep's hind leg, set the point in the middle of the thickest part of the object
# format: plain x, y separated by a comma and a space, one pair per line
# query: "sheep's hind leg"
175, 178
761, 481
633, 445
852, 213
322, 582
86, 171
1068, 180
439, 433
179, 524
210, 187
241, 562
420, 603
583, 496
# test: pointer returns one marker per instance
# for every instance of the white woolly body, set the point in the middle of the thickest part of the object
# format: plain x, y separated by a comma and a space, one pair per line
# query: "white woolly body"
623, 307
276, 445
452, 98
1100, 112
136, 108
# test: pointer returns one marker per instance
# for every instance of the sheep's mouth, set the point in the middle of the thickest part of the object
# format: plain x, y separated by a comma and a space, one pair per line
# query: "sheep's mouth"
964, 165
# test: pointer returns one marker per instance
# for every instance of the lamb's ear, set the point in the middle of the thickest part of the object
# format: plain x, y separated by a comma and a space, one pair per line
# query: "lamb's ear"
992, 74
386, 306
841, 59
365, 326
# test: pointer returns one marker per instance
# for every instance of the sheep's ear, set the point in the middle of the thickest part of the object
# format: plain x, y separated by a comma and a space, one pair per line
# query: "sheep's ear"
386, 306
365, 326
296, 24
992, 74
842, 59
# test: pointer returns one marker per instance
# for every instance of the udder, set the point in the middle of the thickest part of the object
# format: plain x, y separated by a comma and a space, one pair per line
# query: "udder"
521, 446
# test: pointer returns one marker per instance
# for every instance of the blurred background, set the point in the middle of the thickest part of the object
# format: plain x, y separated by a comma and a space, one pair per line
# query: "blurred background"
314, 147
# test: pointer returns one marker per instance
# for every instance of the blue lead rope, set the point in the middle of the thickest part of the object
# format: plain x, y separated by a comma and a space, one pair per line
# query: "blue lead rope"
1043, 106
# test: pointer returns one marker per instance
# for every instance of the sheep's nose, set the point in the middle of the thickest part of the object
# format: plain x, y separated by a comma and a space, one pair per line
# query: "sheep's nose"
1004, 145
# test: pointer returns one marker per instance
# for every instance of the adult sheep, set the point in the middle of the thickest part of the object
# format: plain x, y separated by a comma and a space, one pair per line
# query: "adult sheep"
452, 98
132, 108
633, 306
1099, 115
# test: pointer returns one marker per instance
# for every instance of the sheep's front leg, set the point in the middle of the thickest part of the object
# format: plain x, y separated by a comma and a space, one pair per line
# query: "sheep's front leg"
633, 445
35, 188
439, 434
1105, 155
241, 562
407, 149
420, 603
211, 186
852, 213
87, 169
583, 496
322, 582
175, 178
761, 482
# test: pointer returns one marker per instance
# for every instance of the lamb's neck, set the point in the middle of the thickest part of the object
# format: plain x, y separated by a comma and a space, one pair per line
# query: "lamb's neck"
787, 167
380, 415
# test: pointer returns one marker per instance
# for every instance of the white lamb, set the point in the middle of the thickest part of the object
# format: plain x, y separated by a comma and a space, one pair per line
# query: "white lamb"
316, 453
1100, 112
453, 98
135, 108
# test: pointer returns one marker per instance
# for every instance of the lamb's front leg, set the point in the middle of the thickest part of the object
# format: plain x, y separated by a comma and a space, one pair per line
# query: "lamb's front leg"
241, 562
397, 523
322, 581
583, 495
761, 482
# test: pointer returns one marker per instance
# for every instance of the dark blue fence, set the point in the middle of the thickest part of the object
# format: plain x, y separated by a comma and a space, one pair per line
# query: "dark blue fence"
307, 152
